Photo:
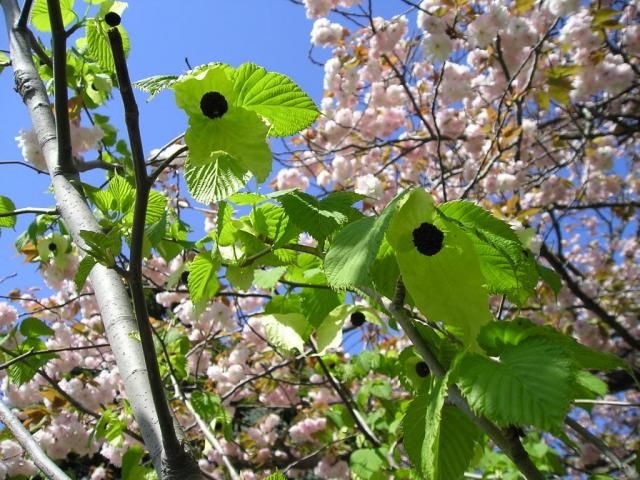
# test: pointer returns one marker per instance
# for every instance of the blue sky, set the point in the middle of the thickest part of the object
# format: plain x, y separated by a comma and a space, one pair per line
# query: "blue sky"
272, 33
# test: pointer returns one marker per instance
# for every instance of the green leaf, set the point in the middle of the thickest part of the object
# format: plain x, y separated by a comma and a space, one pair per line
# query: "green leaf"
287, 331
276, 476
24, 370
98, 46
122, 192
550, 277
207, 405
268, 279
421, 426
155, 84
34, 328
367, 463
448, 285
4, 61
131, 464
203, 277
7, 205
272, 222
317, 303
306, 212
103, 247
496, 337
506, 264
40, 14
275, 97
457, 442
215, 180
84, 269
349, 259
531, 384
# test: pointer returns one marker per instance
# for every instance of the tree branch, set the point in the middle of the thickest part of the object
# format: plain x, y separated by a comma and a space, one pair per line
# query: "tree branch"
24, 211
588, 302
176, 462
24, 438
63, 129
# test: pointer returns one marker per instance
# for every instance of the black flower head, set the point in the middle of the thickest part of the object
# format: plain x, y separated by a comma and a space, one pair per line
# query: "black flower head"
357, 319
422, 369
428, 239
52, 247
112, 19
213, 105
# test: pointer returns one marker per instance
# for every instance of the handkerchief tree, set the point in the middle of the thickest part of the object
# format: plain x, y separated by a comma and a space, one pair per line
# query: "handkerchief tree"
462, 204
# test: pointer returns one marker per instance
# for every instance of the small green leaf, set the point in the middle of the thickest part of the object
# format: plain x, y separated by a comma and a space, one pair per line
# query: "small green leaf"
268, 279
4, 61
367, 463
6, 206
207, 405
155, 84
276, 476
216, 180
98, 46
40, 14
275, 97
550, 277
34, 328
287, 331
203, 277
104, 248
84, 269
122, 192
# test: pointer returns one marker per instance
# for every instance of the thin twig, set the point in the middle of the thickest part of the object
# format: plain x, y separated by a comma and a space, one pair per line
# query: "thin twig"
24, 211
24, 14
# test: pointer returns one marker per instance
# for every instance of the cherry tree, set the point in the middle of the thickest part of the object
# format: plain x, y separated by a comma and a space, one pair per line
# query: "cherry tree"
431, 274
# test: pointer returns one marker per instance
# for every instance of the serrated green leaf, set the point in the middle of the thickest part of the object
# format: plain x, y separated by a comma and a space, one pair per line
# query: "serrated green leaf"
272, 222
349, 259
520, 389
40, 14
156, 206
305, 211
448, 285
103, 247
203, 277
7, 205
268, 279
98, 47
286, 331
275, 97
84, 269
495, 337
506, 265
367, 463
276, 476
216, 180
318, 303
421, 426
34, 328
122, 192
457, 442
24, 370
155, 84
207, 405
